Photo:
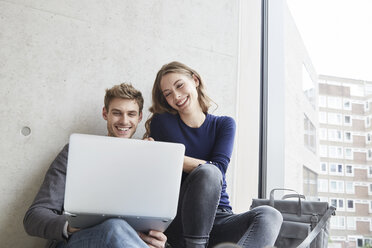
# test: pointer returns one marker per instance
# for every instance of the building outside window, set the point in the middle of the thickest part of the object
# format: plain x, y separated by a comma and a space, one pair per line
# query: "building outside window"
309, 135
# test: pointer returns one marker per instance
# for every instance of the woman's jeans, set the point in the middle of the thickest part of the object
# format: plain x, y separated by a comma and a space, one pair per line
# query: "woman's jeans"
112, 233
200, 223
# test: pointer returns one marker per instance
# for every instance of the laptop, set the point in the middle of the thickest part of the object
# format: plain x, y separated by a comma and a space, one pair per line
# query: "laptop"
136, 180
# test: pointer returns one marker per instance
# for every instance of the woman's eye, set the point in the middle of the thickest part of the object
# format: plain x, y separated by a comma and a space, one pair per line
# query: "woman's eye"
167, 94
180, 85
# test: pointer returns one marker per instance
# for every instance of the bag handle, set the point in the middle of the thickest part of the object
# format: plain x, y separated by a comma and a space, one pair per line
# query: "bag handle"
331, 210
271, 201
293, 196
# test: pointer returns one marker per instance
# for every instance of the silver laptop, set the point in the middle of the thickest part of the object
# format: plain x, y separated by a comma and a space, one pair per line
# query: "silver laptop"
110, 177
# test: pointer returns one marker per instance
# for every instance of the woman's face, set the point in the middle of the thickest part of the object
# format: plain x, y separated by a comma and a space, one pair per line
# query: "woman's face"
180, 92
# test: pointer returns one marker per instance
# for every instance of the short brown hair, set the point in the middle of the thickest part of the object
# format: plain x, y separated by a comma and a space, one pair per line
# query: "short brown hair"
124, 91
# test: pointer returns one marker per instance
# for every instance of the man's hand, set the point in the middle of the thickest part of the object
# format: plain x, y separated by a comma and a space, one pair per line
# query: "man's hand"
154, 239
148, 138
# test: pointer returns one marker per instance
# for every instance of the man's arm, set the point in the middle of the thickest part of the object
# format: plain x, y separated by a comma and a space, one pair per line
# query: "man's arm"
45, 217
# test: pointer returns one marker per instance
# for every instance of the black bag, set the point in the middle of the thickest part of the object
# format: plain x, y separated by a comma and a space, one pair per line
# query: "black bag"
306, 223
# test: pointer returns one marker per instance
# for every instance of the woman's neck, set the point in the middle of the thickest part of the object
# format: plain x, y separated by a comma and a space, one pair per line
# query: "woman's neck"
194, 119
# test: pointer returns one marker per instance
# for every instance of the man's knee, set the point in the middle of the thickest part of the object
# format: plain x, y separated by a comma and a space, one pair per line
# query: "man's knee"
115, 227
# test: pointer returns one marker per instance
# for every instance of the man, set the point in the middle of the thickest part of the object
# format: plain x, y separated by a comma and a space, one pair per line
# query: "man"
122, 111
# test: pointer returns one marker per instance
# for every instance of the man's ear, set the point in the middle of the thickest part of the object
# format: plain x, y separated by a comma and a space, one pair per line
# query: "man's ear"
196, 80
104, 113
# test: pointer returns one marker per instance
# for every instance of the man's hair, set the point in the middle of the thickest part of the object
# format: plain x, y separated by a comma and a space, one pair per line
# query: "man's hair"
124, 91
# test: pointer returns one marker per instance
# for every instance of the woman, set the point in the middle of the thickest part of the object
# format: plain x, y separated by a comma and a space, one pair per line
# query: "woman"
204, 217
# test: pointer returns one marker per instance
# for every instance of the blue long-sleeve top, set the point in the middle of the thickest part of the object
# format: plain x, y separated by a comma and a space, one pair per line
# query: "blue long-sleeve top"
213, 141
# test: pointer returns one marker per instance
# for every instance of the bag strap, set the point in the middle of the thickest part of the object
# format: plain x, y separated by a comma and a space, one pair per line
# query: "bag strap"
317, 228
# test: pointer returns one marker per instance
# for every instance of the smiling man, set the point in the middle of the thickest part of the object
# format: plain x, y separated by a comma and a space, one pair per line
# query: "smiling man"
45, 219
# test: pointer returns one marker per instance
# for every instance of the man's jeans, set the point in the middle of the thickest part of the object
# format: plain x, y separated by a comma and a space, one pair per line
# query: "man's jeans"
113, 233
199, 222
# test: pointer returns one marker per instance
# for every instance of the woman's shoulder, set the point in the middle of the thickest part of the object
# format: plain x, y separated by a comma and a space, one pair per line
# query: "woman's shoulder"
222, 120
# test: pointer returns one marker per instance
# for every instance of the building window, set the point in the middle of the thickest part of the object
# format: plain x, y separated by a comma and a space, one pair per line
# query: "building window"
370, 171
308, 86
368, 138
323, 151
309, 135
370, 206
368, 121
370, 189
336, 186
338, 222
349, 170
336, 169
323, 101
323, 168
366, 106
334, 135
337, 203
351, 223
350, 205
369, 154
334, 119
347, 120
335, 152
349, 187
348, 137
323, 117
310, 187
323, 133
347, 104
334, 102
349, 153
322, 185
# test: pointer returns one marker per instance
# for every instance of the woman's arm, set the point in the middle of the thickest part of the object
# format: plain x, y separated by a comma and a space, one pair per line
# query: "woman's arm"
189, 163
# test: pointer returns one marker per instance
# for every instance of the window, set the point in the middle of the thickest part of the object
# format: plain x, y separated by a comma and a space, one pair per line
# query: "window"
369, 154
335, 152
335, 169
309, 135
334, 102
337, 203
347, 104
370, 189
349, 170
349, 153
338, 222
322, 101
348, 137
350, 205
322, 185
323, 168
347, 120
336, 186
322, 117
323, 151
366, 107
370, 206
334, 135
368, 121
351, 223
368, 138
323, 133
370, 171
349, 186
308, 86
334, 119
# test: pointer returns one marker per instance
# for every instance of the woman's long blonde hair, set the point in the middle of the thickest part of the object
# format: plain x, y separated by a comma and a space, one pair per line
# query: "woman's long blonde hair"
159, 103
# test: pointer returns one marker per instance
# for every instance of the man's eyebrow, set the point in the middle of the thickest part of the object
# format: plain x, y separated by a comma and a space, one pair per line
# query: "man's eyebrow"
173, 84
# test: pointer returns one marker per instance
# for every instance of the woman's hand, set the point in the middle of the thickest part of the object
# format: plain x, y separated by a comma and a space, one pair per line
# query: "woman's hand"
189, 163
154, 239
149, 139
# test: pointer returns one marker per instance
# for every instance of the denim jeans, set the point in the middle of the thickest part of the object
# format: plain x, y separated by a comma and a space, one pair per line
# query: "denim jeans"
199, 223
111, 233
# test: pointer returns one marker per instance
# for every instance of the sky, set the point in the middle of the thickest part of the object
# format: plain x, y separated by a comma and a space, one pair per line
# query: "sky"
337, 35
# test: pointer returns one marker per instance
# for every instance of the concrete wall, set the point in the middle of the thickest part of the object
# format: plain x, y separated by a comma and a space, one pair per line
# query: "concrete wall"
58, 57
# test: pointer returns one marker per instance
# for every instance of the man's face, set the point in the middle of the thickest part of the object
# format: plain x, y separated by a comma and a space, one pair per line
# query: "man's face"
122, 117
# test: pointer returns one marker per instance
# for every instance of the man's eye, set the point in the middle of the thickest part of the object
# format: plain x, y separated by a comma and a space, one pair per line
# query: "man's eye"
116, 113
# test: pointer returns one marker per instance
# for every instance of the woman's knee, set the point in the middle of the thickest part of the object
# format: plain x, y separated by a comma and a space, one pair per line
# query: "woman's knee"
208, 174
115, 227
270, 214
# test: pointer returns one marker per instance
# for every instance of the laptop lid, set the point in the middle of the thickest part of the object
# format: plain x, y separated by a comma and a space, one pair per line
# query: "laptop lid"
109, 177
